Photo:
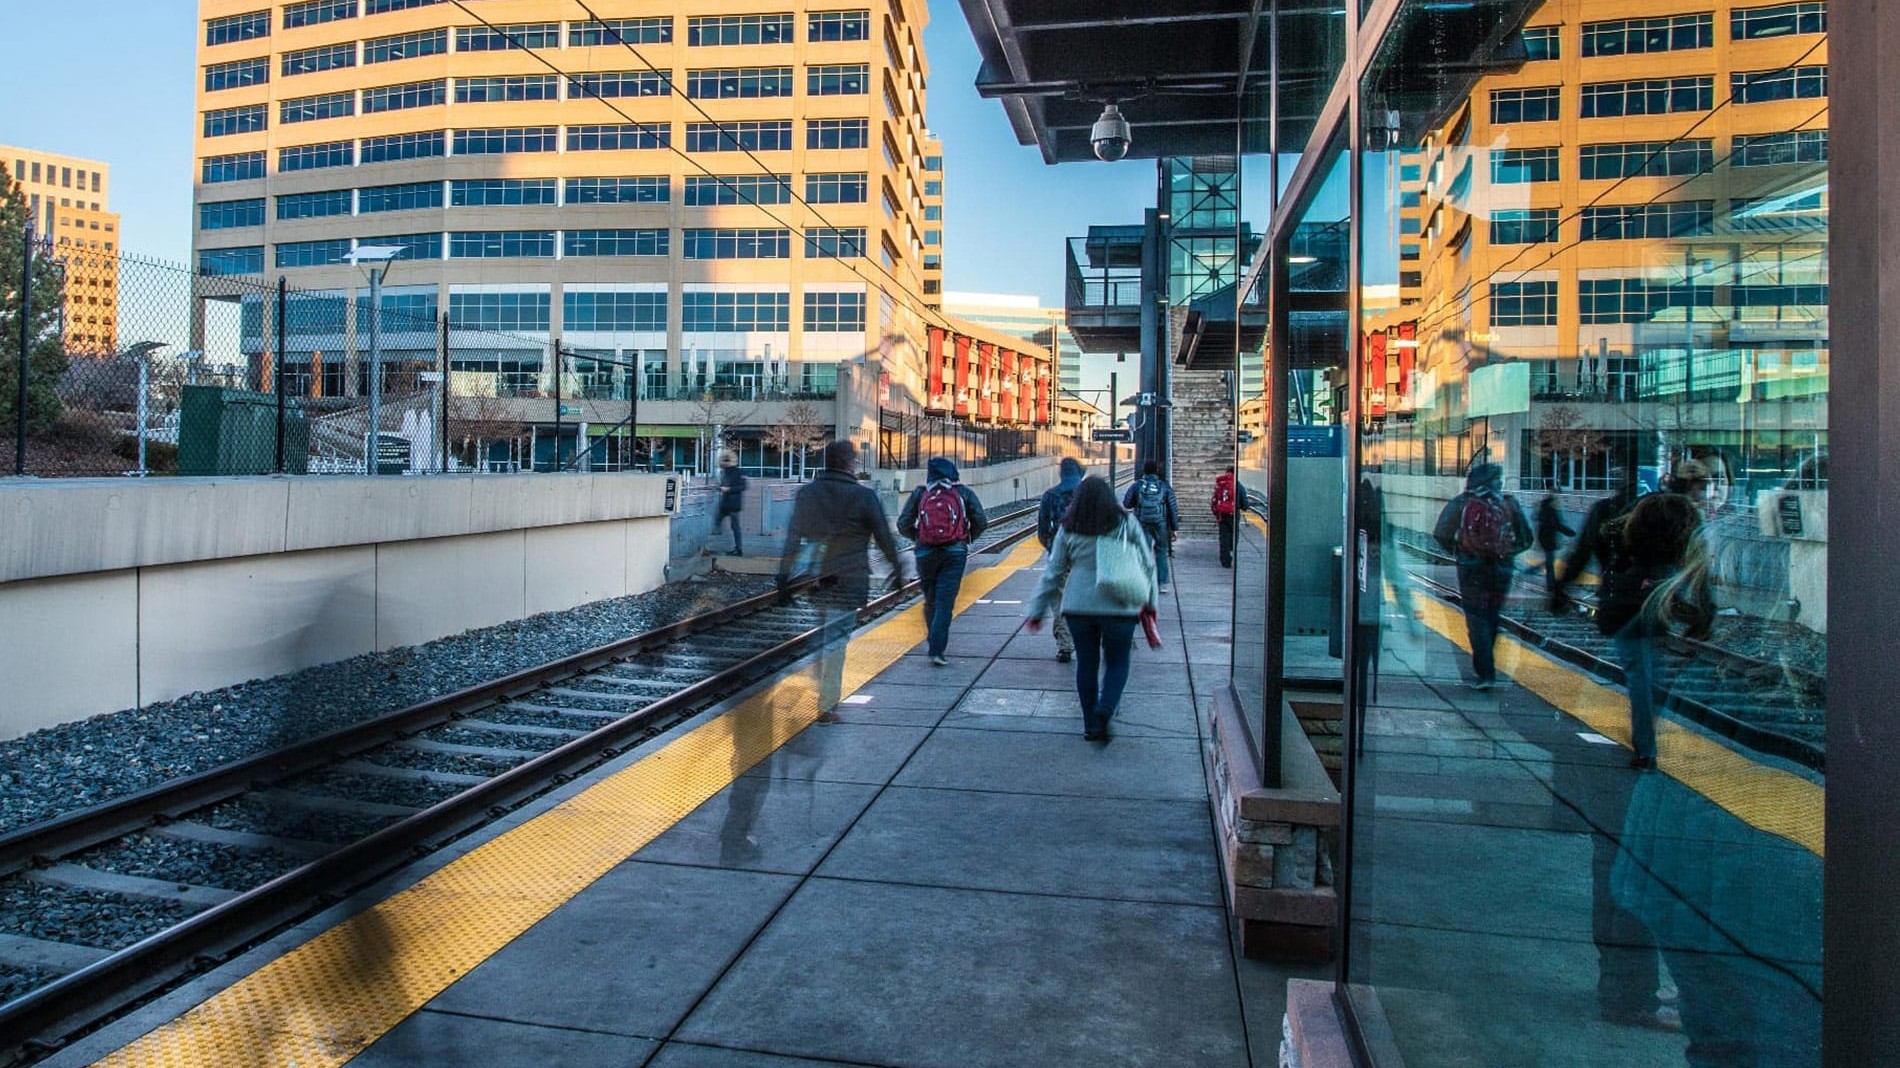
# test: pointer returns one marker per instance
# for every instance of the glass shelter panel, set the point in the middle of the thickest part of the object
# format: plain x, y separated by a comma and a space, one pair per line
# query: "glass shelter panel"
1586, 716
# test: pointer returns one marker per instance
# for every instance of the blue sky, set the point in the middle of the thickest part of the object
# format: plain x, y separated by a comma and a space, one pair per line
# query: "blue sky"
131, 102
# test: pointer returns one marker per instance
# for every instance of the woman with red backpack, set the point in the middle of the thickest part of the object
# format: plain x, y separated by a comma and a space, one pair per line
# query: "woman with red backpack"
1485, 528
941, 518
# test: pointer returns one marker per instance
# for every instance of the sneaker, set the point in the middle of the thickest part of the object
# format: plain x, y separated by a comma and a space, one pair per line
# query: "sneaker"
1063, 656
939, 661
735, 552
1482, 684
1164, 587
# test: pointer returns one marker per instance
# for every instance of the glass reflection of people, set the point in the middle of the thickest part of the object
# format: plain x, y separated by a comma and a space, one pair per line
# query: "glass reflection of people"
1590, 545
1656, 546
1551, 528
837, 518
1485, 528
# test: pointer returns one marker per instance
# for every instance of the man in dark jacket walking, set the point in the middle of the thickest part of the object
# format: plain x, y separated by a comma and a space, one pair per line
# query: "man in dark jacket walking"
1485, 528
1151, 499
838, 519
1055, 504
1550, 526
942, 517
732, 484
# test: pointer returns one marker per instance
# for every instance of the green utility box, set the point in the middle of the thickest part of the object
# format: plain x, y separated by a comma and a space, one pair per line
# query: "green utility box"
234, 432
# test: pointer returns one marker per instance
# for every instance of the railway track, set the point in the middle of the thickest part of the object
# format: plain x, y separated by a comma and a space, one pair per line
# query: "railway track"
1775, 709
195, 870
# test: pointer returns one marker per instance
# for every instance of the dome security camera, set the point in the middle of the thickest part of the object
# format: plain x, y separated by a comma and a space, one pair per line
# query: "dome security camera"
1110, 136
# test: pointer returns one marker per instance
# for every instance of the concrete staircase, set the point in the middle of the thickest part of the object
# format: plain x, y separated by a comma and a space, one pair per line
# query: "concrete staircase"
1203, 446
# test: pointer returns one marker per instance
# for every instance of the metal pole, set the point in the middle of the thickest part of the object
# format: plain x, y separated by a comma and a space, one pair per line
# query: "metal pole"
1114, 451
442, 343
26, 351
633, 417
145, 383
557, 405
277, 368
375, 369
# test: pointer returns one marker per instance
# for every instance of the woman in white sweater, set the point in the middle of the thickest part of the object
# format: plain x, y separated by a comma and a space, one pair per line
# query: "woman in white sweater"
1099, 603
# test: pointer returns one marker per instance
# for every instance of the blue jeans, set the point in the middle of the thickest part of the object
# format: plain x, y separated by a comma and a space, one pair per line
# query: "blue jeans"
940, 572
1158, 541
1101, 645
1638, 654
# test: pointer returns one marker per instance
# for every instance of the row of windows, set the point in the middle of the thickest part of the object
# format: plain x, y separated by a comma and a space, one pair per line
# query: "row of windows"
1659, 159
1602, 301
1657, 96
1621, 37
701, 190
727, 243
1607, 223
821, 26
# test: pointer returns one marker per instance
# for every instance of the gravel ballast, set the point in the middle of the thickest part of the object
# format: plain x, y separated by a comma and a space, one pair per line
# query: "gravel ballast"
83, 917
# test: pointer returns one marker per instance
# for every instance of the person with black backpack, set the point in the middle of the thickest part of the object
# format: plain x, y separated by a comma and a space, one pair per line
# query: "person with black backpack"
942, 517
1485, 529
1151, 500
1049, 515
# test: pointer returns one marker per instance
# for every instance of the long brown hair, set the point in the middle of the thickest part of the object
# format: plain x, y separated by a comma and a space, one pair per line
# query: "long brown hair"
1094, 511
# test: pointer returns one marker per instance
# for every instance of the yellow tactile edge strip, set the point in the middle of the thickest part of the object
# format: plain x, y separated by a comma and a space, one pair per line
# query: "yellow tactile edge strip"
1765, 798
325, 1001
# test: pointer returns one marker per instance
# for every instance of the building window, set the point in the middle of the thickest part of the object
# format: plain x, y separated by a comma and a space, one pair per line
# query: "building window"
1687, 218
618, 138
414, 246
500, 311
738, 30
1543, 42
845, 242
933, 163
248, 259
1768, 150
406, 311
707, 190
726, 312
405, 46
933, 237
507, 88
838, 26
834, 313
1538, 104
1651, 96
502, 38
1788, 83
312, 253
1635, 300
739, 83
1655, 159
1517, 166
933, 188
501, 192
738, 243
615, 311
1523, 303
1779, 20
507, 140
838, 133
619, 84
378, 7
1523, 226
231, 214
234, 28
1673, 33
403, 97
316, 157
312, 108
620, 31
229, 121
313, 60
649, 242
317, 12
644, 190
314, 205
410, 196
766, 136
842, 79
402, 146
501, 244
846, 188
237, 74
933, 213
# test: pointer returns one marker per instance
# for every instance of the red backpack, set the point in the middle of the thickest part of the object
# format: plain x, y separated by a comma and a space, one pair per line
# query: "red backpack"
941, 518
1485, 528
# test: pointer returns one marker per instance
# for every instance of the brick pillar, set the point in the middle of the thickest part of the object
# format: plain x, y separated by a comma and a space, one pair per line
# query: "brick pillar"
1203, 445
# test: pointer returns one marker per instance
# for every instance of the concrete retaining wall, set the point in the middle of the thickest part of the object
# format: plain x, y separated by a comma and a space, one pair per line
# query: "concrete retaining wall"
117, 594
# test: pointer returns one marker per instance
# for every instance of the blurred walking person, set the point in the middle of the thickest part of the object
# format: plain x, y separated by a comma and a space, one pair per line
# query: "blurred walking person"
942, 518
1550, 528
732, 484
1101, 576
1656, 576
1485, 529
1151, 499
1055, 504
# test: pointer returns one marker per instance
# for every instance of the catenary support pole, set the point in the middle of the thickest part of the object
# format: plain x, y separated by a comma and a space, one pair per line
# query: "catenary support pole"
26, 351
277, 366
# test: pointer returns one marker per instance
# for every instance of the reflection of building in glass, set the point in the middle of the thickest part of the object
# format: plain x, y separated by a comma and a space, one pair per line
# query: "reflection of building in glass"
1626, 236
68, 201
1024, 317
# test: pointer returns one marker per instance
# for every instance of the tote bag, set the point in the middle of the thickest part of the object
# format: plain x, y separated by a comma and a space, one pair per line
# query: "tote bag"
1119, 574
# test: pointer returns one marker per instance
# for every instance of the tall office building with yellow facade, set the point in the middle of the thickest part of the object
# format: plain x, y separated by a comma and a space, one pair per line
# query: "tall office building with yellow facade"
699, 194
1646, 278
67, 201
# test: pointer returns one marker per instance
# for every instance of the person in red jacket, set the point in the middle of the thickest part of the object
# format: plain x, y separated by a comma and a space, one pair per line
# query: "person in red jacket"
1226, 515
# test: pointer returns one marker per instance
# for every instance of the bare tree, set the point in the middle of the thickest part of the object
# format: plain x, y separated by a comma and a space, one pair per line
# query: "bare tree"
716, 416
475, 422
800, 427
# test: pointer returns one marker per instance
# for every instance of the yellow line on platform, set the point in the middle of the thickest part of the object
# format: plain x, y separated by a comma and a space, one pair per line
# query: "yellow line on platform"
1765, 798
325, 1001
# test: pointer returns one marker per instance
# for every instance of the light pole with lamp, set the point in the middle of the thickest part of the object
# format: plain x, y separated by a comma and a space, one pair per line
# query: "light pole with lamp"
376, 261
142, 352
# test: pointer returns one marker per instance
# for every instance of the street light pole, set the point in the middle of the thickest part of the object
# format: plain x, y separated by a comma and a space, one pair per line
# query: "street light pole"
378, 258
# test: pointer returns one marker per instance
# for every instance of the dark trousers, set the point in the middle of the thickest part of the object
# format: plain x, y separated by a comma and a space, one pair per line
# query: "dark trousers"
1101, 646
940, 572
1162, 544
737, 544
1227, 524
1482, 588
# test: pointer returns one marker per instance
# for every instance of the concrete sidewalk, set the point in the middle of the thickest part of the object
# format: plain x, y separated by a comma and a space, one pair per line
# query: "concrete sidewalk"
948, 876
